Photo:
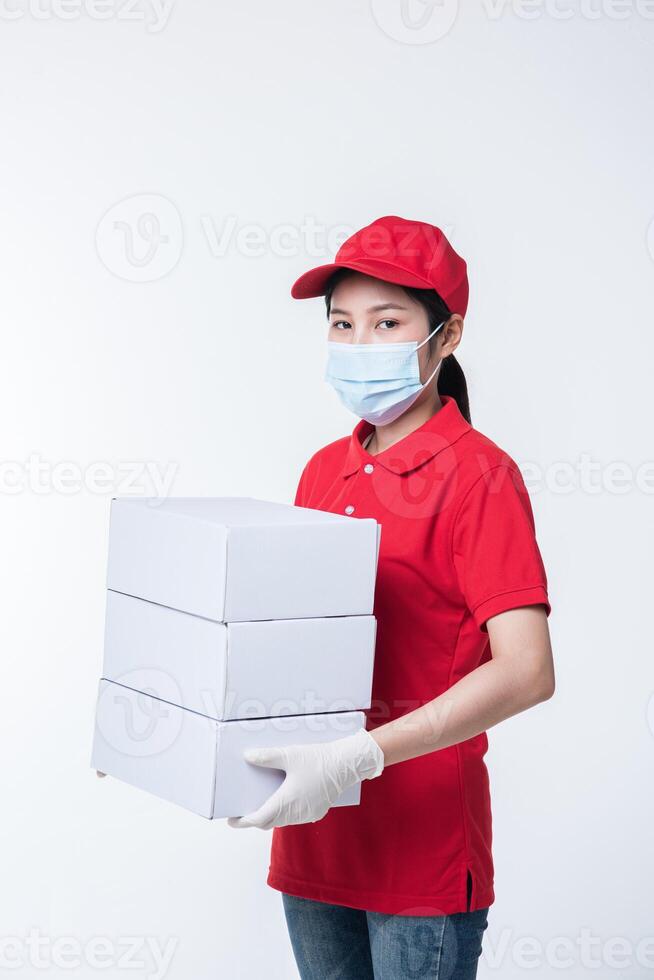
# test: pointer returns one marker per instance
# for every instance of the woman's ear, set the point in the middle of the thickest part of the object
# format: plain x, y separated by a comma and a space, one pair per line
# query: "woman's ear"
451, 335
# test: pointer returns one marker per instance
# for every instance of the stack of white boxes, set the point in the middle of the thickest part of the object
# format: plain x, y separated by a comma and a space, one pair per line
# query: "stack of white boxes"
231, 623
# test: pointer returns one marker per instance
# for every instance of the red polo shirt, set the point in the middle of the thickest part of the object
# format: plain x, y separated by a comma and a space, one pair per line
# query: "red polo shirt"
457, 547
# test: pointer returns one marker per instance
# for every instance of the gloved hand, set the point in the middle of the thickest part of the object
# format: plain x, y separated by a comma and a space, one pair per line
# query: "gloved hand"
316, 775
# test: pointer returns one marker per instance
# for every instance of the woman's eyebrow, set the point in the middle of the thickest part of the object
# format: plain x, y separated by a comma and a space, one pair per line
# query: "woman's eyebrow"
386, 306
371, 309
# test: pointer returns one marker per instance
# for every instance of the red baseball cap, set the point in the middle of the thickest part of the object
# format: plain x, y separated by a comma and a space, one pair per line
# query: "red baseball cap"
409, 253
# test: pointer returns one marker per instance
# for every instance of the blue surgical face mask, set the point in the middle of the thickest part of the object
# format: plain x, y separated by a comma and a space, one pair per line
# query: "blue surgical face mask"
377, 381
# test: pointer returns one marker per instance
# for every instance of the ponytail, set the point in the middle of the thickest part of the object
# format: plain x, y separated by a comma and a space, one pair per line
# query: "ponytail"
452, 381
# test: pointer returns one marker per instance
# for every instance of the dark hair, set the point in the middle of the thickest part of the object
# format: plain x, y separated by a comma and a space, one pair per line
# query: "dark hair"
451, 379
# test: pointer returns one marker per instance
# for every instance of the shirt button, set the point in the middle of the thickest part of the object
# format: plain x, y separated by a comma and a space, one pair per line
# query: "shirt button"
368, 468
349, 509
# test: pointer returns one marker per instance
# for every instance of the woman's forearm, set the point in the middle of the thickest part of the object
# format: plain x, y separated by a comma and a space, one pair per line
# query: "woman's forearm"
492, 692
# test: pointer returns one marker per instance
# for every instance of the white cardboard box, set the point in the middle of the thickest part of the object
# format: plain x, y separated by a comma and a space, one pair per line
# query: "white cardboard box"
195, 761
234, 559
239, 670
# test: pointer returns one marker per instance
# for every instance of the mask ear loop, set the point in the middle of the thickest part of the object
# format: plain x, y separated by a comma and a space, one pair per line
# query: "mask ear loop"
436, 329
433, 374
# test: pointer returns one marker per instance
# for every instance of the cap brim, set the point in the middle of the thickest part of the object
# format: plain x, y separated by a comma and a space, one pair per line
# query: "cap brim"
314, 282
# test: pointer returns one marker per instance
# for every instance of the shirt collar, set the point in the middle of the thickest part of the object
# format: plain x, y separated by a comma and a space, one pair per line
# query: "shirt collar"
442, 429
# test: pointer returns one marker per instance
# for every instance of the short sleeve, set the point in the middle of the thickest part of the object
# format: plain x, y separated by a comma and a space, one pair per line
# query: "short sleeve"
301, 488
496, 556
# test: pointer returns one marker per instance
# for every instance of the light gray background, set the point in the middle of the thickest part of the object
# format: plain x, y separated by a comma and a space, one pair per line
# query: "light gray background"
525, 131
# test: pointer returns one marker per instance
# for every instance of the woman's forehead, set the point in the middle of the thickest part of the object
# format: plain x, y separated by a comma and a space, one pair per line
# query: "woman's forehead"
366, 292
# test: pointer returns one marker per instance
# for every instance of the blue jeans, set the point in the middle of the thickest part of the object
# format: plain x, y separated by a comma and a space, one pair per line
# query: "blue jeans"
336, 942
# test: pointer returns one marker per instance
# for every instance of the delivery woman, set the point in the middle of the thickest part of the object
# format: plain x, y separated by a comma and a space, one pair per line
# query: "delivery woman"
400, 886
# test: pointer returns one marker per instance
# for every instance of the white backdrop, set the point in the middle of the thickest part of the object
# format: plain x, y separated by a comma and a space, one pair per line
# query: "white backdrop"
165, 354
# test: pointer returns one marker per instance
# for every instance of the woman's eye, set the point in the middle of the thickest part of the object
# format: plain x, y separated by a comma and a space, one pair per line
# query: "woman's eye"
340, 324
393, 323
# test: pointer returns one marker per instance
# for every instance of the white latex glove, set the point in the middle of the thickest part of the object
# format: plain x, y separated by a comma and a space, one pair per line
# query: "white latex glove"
316, 775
